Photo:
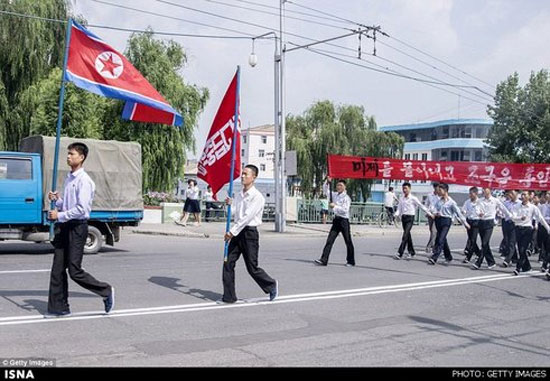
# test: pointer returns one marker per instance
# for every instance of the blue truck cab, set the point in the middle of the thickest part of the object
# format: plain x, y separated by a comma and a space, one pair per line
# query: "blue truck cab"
23, 209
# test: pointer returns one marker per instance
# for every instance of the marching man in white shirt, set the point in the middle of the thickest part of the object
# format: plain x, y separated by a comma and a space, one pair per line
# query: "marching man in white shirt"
407, 210
389, 200
431, 199
489, 206
340, 203
471, 210
248, 208
523, 216
446, 209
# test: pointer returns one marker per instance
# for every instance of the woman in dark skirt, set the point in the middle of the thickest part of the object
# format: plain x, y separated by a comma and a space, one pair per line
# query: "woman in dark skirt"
192, 203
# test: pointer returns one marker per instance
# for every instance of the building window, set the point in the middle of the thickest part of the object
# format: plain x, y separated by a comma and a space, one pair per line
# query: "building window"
477, 156
424, 156
443, 156
415, 156
244, 139
412, 137
262, 167
261, 153
407, 156
445, 132
242, 152
264, 139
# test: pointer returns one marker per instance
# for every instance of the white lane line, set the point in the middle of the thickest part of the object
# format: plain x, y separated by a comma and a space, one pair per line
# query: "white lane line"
24, 271
17, 320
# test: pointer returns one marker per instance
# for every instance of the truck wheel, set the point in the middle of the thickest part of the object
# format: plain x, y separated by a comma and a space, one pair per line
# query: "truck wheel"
94, 241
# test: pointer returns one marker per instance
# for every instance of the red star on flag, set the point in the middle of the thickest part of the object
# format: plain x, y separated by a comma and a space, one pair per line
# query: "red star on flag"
109, 65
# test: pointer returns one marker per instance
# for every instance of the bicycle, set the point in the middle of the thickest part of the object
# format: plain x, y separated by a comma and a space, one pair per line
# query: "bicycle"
384, 220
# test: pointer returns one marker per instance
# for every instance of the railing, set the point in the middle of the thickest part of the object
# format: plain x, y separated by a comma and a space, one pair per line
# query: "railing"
218, 211
309, 211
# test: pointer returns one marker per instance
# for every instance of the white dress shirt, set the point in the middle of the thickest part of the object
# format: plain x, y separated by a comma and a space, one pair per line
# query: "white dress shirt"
389, 198
489, 207
546, 212
471, 209
247, 208
510, 205
449, 209
341, 201
192, 193
407, 206
431, 200
523, 215
78, 195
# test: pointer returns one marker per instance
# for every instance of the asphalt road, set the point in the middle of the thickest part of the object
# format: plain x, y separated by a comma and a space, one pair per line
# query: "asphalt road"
383, 312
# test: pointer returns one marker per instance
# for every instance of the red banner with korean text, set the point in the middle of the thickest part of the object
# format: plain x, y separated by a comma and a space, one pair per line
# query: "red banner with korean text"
480, 174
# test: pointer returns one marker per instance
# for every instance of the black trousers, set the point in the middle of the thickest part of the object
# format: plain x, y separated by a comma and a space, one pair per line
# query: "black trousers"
389, 213
407, 222
247, 243
545, 252
433, 233
542, 236
69, 250
510, 249
524, 236
485, 232
471, 245
442, 224
339, 225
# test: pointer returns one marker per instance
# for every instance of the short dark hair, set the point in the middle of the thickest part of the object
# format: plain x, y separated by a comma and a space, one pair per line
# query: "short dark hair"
443, 186
341, 181
435, 184
406, 184
192, 181
253, 168
390, 189
474, 189
81, 148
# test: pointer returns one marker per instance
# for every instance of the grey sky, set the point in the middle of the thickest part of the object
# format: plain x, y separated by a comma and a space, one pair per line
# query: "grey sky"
487, 39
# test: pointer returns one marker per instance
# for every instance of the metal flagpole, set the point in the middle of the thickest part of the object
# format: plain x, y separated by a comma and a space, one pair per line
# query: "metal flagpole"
233, 149
60, 119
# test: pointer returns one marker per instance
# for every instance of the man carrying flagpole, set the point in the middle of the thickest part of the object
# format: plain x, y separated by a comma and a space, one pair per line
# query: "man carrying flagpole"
243, 238
92, 65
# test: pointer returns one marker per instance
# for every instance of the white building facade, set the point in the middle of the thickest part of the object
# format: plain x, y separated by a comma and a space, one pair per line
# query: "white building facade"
258, 147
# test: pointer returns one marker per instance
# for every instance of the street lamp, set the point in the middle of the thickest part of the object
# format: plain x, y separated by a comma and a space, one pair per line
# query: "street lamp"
279, 180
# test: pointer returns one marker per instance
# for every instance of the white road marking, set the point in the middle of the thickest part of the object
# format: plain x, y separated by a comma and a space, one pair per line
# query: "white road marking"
17, 320
23, 271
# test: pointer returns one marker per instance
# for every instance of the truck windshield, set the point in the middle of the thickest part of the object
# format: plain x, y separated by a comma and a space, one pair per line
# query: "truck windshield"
15, 169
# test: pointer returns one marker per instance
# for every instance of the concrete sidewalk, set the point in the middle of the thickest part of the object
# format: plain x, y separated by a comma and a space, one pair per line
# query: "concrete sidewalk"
267, 229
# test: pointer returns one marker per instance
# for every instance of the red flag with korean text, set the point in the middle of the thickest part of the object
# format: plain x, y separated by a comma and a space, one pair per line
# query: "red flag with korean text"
215, 163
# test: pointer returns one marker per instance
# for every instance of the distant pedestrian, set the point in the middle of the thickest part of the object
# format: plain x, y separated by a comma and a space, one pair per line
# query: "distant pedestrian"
192, 203
390, 199
71, 216
243, 237
407, 207
210, 203
324, 209
340, 204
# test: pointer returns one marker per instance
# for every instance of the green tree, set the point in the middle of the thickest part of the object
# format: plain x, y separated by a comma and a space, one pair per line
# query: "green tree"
521, 115
347, 130
83, 112
163, 147
3, 116
29, 49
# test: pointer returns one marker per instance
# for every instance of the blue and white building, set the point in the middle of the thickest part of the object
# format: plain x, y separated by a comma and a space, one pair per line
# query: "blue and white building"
444, 140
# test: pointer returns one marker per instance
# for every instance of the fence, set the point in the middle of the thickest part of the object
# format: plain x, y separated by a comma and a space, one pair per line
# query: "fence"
308, 211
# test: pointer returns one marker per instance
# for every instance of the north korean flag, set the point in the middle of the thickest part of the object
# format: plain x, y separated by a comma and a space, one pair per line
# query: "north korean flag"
95, 66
